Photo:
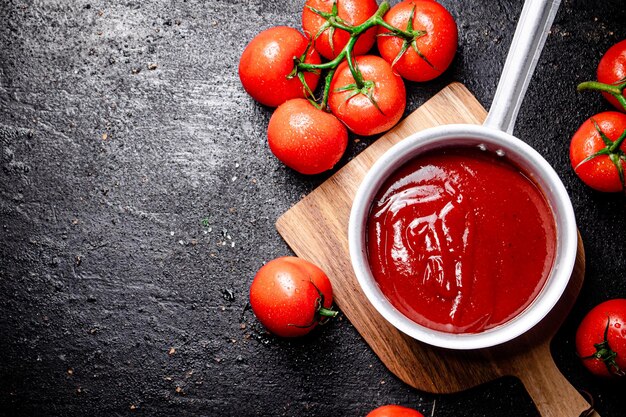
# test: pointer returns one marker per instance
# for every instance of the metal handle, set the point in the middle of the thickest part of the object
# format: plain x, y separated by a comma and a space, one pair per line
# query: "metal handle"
528, 41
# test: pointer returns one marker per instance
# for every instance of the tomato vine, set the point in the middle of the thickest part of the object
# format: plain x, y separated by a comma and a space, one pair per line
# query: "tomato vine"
616, 89
333, 22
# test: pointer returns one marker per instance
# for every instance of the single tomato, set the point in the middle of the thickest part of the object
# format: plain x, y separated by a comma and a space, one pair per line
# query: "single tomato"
266, 65
374, 108
431, 46
331, 41
394, 411
601, 339
289, 296
612, 69
305, 138
597, 151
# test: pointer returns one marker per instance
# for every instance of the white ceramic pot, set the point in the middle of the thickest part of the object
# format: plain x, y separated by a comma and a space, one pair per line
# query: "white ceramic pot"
495, 135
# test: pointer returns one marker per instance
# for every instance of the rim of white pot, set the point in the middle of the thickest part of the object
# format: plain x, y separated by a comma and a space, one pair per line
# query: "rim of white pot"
533, 165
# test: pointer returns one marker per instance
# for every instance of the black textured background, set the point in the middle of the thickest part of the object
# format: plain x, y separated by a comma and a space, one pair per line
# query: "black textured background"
138, 198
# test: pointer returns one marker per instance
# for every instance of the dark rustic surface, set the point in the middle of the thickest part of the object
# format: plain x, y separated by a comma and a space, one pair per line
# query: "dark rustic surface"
138, 198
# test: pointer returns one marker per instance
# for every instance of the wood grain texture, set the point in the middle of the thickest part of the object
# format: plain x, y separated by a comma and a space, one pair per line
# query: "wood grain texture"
316, 229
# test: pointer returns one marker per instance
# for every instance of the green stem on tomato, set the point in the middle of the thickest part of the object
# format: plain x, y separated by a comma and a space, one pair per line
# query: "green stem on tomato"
396, 31
618, 143
326, 65
355, 32
325, 312
339, 25
381, 22
612, 150
595, 85
374, 20
327, 81
605, 354
356, 73
616, 90
347, 52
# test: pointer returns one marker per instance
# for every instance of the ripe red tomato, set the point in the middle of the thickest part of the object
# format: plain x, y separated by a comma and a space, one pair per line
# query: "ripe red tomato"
394, 411
289, 296
305, 138
612, 69
267, 62
601, 339
437, 47
351, 12
602, 171
362, 114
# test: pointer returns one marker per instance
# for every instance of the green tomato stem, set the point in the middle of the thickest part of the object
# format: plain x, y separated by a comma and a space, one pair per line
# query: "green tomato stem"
355, 32
347, 52
616, 90
399, 32
354, 69
338, 25
374, 20
597, 86
327, 81
618, 143
325, 312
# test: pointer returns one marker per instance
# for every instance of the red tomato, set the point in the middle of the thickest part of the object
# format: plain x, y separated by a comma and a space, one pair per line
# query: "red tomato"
600, 172
305, 138
267, 62
362, 114
394, 411
351, 12
612, 69
437, 47
601, 339
289, 295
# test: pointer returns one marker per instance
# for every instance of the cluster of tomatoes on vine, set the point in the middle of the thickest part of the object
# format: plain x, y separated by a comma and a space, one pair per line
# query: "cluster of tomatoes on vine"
360, 92
597, 150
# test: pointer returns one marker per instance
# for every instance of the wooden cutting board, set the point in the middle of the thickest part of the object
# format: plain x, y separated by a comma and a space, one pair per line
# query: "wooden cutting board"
316, 228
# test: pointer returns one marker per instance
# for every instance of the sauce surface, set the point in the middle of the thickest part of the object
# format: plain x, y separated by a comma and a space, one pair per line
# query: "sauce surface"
460, 240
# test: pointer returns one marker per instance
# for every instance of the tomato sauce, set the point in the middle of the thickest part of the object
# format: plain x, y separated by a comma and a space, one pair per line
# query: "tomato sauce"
460, 240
